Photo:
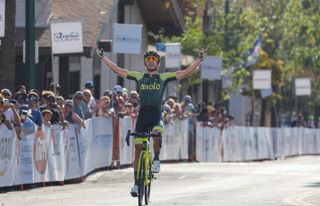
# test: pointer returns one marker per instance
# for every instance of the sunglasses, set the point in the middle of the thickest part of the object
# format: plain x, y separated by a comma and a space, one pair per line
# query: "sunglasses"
151, 58
80, 98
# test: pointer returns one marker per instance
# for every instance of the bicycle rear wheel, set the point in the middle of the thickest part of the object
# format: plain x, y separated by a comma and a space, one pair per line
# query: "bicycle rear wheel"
141, 179
147, 188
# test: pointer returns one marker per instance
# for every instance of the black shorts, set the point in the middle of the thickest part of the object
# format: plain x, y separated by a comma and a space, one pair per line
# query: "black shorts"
149, 118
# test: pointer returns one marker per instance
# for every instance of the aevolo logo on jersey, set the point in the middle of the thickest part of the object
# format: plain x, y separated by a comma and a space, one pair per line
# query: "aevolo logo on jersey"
5, 153
154, 86
40, 154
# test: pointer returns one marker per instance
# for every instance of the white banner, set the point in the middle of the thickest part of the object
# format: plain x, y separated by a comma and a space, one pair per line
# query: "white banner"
211, 68
103, 141
66, 37
2, 17
173, 54
262, 79
126, 152
302, 86
8, 159
127, 38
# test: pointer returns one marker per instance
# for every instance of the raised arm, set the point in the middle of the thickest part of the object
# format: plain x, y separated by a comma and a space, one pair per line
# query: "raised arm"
118, 70
185, 73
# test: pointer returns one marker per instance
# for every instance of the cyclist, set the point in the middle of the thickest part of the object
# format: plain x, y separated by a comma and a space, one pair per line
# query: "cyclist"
150, 86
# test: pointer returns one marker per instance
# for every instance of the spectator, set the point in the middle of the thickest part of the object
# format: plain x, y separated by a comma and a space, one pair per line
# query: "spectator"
71, 116
125, 94
127, 111
60, 101
33, 110
21, 98
300, 121
79, 106
187, 108
87, 99
104, 109
167, 114
204, 117
10, 113
109, 94
55, 88
133, 99
6, 93
117, 93
4, 105
90, 86
44, 96
46, 116
56, 112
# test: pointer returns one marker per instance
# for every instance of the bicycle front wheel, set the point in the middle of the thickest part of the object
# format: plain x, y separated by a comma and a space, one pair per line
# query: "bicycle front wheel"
141, 178
147, 188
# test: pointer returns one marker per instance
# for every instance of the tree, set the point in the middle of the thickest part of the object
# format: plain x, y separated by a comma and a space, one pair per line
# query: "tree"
7, 49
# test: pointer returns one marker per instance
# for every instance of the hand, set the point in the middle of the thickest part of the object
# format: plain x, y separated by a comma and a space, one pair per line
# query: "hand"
100, 52
203, 54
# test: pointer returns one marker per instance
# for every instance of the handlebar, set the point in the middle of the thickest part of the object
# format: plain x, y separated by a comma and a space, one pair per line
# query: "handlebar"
136, 134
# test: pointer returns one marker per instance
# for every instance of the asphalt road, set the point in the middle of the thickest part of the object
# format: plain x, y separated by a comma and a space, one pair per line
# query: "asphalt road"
294, 181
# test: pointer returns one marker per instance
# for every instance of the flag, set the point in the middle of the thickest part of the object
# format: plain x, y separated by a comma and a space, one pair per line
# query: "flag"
254, 52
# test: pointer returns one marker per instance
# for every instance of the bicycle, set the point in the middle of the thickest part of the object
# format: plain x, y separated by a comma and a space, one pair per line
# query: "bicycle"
144, 173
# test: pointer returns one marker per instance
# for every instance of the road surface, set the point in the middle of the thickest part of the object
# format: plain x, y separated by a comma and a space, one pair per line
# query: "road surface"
293, 181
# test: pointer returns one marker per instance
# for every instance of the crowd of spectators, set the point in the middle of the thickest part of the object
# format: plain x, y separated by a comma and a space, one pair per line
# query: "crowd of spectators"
21, 109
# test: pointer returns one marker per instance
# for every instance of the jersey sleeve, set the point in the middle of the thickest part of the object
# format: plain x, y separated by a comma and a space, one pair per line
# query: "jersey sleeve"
168, 76
134, 75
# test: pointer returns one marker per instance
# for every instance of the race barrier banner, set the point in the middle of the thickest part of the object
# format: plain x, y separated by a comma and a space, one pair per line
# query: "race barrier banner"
254, 143
126, 152
53, 154
56, 154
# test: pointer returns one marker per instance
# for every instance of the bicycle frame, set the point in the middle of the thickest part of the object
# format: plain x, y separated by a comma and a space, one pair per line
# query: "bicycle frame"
147, 154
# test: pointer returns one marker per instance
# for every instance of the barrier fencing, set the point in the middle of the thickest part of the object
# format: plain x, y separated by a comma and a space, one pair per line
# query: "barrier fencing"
53, 154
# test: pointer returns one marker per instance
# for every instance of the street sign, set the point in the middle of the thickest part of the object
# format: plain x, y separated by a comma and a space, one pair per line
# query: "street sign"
127, 38
66, 37
302, 86
2, 17
173, 54
211, 68
261, 79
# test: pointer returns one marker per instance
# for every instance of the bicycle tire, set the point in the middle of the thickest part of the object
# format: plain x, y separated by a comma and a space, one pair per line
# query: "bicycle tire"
141, 179
147, 188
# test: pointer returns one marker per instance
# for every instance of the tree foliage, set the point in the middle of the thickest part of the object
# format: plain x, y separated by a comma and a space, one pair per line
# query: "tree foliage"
291, 42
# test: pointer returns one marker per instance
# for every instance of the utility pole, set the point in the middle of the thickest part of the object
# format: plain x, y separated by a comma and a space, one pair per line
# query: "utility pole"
30, 43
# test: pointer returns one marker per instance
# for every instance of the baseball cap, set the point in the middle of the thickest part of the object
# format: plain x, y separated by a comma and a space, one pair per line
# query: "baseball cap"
107, 93
117, 88
187, 98
89, 84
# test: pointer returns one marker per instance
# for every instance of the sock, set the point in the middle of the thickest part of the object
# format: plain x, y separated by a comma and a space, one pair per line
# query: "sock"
135, 178
156, 156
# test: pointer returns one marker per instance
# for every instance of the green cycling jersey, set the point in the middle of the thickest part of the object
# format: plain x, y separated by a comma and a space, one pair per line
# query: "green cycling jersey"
151, 87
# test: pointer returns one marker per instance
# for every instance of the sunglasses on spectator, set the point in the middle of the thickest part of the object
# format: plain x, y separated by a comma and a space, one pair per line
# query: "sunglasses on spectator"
85, 94
33, 99
151, 58
80, 98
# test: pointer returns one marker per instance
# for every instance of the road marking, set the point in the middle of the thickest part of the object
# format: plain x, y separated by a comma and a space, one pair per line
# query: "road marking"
299, 199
